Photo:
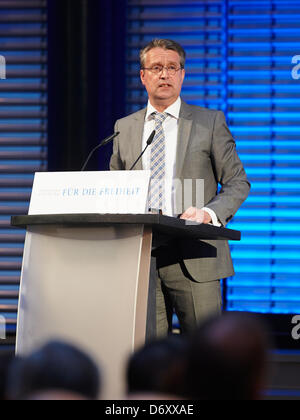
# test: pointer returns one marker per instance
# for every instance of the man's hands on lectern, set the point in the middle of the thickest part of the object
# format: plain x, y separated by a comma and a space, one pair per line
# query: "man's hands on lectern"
196, 215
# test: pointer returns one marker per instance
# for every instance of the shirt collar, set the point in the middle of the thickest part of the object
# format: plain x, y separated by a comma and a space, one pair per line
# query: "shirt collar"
172, 110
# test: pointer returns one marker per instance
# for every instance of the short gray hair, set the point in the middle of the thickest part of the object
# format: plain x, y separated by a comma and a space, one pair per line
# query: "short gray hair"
166, 44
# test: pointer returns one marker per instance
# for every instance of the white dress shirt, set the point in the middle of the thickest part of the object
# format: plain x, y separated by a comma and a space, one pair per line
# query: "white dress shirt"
170, 126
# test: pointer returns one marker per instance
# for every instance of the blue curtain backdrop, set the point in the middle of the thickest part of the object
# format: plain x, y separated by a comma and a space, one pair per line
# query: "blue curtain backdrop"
240, 61
23, 138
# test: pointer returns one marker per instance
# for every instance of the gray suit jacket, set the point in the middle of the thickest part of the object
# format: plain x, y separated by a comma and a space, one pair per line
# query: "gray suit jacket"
206, 150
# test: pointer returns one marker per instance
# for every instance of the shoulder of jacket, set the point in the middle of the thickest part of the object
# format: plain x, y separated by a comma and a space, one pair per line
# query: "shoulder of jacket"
202, 110
136, 115
196, 111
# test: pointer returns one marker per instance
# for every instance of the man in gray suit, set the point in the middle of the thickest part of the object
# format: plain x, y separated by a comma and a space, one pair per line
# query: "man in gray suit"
190, 143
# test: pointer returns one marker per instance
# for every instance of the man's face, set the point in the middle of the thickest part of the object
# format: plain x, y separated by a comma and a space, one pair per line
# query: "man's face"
163, 89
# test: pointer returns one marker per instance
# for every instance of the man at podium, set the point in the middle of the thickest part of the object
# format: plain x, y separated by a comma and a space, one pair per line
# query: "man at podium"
190, 142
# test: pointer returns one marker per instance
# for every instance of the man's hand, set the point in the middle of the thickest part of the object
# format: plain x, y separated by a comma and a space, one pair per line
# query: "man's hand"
196, 215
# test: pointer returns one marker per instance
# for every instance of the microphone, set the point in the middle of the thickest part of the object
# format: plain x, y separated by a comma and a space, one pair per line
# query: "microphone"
149, 141
103, 143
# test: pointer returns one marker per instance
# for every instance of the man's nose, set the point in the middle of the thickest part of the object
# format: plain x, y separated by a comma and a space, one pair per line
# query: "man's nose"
164, 73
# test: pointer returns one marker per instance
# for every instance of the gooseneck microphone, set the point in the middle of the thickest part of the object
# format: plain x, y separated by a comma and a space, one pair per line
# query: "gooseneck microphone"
149, 141
103, 143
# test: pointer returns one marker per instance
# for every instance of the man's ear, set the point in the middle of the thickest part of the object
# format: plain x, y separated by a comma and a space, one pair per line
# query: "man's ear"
183, 75
142, 76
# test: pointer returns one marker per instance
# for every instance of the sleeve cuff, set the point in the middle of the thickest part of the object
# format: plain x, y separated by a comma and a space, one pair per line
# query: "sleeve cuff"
214, 218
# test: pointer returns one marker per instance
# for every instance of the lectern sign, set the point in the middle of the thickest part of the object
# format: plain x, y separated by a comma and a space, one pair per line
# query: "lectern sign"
115, 192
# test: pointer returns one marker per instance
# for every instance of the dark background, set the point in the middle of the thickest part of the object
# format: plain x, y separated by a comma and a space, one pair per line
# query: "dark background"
86, 45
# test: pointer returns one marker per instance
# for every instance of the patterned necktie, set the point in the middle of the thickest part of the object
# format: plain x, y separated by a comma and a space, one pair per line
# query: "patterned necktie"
158, 165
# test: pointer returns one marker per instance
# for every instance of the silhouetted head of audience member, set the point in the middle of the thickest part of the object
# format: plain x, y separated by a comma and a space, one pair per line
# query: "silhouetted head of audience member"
227, 359
6, 358
157, 367
55, 367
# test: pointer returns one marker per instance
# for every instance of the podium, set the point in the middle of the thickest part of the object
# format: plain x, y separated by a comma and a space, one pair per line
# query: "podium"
89, 279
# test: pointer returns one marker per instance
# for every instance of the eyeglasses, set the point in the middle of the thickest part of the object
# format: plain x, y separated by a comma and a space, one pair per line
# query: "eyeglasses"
172, 70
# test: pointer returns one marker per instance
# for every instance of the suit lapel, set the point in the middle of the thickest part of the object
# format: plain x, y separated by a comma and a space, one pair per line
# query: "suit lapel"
184, 132
137, 137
